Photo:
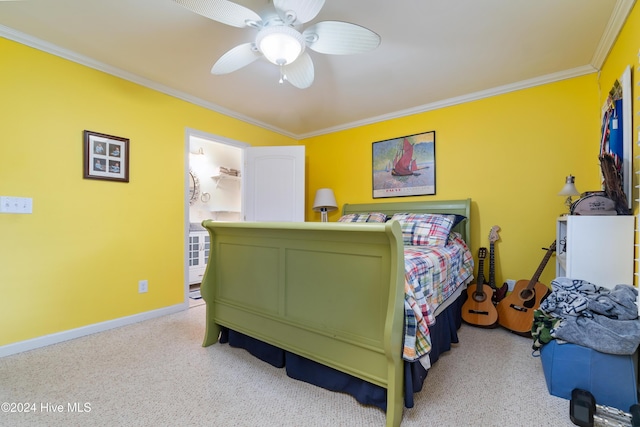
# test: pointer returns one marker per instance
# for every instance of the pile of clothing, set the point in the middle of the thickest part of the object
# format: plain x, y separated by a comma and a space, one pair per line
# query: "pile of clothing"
582, 313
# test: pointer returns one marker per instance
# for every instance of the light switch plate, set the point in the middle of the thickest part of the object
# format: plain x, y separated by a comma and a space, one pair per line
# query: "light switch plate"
9, 204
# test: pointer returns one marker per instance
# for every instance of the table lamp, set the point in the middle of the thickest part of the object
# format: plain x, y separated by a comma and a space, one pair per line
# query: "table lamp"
569, 190
324, 202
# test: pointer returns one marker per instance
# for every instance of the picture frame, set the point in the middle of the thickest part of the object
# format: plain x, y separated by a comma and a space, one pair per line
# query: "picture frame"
404, 166
616, 130
105, 157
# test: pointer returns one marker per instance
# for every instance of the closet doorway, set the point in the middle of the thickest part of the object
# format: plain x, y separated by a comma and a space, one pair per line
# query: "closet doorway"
227, 180
214, 181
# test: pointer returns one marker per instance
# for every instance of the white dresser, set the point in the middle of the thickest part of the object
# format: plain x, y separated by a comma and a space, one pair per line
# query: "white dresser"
598, 249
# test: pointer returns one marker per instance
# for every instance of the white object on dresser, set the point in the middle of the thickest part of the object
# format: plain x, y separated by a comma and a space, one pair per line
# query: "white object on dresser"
199, 247
595, 248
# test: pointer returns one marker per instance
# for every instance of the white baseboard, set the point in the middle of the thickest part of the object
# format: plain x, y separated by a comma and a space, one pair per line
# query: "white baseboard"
19, 347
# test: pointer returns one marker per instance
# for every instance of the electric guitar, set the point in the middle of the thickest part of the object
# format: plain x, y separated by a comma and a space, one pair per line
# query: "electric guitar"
478, 310
515, 311
498, 293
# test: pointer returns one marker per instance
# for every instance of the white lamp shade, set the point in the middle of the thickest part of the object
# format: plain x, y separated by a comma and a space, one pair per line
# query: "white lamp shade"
325, 200
569, 188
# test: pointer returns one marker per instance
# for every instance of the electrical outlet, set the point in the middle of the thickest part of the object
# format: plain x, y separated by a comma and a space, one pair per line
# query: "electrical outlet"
143, 286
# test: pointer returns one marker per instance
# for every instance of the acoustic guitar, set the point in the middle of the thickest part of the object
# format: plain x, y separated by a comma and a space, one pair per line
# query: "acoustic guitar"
515, 311
478, 310
498, 293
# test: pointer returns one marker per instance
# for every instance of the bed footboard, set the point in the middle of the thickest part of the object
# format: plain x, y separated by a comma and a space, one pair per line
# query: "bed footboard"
330, 292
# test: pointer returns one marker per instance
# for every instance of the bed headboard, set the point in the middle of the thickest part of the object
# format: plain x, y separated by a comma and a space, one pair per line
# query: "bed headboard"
457, 207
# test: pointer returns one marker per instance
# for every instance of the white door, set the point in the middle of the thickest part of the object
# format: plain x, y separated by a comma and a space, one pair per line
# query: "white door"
273, 183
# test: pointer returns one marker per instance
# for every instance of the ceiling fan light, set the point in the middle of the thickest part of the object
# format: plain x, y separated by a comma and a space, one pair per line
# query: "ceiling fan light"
281, 45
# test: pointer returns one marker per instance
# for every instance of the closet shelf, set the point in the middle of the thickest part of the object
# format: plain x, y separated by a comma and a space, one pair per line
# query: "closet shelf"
224, 177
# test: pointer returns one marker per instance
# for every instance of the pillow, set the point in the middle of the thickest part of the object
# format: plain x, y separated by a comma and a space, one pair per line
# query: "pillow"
458, 219
425, 229
370, 217
377, 217
353, 218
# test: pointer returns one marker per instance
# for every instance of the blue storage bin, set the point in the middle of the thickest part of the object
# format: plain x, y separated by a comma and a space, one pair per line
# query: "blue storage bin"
611, 378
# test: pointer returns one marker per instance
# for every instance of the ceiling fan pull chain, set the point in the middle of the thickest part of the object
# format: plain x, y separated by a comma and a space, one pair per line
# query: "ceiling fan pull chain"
283, 76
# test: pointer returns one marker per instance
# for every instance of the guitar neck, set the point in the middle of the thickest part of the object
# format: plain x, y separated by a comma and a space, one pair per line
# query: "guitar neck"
480, 280
492, 266
543, 264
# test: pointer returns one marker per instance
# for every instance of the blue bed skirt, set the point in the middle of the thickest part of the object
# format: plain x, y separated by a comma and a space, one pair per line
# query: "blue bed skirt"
443, 334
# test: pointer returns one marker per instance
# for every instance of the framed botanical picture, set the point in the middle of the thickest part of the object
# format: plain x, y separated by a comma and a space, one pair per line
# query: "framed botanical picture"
405, 166
106, 157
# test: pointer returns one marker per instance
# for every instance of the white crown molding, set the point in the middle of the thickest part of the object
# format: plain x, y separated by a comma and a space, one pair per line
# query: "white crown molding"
19, 347
53, 49
524, 84
616, 21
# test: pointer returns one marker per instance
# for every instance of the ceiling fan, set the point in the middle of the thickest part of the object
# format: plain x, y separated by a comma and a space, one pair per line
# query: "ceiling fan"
280, 38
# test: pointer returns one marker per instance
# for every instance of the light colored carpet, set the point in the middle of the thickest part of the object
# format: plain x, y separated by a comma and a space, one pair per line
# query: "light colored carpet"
155, 373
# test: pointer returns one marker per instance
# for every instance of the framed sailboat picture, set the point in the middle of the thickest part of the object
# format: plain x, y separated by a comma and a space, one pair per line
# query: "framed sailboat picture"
405, 166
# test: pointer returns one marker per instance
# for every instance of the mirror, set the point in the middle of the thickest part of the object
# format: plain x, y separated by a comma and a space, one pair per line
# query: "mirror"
194, 188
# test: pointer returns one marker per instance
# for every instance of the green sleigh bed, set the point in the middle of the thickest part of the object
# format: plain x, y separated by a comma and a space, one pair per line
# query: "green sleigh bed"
329, 292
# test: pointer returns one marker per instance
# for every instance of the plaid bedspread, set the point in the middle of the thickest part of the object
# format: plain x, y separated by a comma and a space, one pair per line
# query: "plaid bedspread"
432, 274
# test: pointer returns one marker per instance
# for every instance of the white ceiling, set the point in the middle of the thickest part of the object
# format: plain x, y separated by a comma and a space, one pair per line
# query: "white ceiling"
433, 53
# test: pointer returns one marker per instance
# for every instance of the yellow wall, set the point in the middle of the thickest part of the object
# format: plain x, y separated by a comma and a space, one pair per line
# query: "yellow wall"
77, 259
509, 153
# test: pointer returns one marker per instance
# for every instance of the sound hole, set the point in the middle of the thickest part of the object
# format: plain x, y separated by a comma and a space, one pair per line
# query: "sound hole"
479, 296
527, 296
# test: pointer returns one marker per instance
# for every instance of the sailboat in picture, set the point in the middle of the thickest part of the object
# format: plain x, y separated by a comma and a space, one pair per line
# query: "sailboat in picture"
404, 164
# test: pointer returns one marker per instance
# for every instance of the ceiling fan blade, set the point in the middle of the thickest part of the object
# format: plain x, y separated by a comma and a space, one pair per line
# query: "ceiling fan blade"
222, 11
298, 11
238, 57
340, 38
300, 72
